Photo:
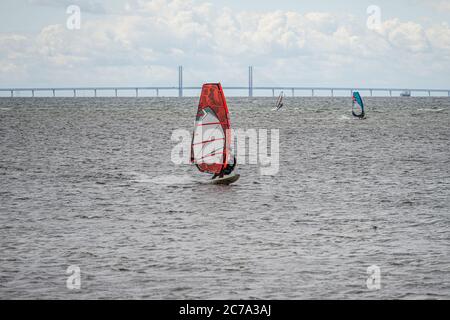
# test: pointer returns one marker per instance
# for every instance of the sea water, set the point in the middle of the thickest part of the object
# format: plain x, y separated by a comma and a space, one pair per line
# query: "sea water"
90, 183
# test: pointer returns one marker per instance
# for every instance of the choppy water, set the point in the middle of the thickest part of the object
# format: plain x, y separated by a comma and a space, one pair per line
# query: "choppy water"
89, 182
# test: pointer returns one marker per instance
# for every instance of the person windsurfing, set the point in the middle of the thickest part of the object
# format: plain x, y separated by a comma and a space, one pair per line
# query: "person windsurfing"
280, 103
227, 170
358, 101
211, 139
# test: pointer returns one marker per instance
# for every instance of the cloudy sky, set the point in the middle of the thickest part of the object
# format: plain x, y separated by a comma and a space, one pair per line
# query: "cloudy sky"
289, 42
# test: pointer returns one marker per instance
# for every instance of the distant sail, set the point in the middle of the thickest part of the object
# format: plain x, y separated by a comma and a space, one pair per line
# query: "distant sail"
358, 106
211, 140
280, 104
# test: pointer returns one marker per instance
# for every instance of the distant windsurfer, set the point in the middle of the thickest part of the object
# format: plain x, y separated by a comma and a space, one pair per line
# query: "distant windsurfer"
358, 101
280, 104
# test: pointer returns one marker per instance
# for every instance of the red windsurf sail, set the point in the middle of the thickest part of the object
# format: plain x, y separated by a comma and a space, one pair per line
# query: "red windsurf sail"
211, 140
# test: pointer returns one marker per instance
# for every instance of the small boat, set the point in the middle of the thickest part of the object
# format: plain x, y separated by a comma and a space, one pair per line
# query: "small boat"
405, 93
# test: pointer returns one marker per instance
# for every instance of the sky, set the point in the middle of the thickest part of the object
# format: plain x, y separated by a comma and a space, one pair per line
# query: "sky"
401, 44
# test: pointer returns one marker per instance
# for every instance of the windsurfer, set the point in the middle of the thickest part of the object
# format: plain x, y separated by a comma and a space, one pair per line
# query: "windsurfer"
357, 101
280, 101
227, 170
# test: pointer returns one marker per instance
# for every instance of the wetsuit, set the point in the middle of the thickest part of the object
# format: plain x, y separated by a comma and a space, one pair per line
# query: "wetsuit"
228, 170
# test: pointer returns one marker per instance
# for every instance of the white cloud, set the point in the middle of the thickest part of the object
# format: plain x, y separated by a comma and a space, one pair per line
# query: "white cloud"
147, 43
408, 36
439, 37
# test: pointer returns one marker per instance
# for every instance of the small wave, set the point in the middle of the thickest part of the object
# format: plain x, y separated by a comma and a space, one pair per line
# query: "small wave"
167, 180
430, 110
344, 117
81, 216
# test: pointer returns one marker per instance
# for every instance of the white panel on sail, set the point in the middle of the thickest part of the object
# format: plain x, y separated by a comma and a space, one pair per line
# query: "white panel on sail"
209, 117
209, 140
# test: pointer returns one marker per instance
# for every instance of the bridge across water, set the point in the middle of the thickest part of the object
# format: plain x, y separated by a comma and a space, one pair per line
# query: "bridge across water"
292, 91
267, 90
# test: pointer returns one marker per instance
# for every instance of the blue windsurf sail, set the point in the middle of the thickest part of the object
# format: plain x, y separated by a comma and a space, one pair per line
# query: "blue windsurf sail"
358, 106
